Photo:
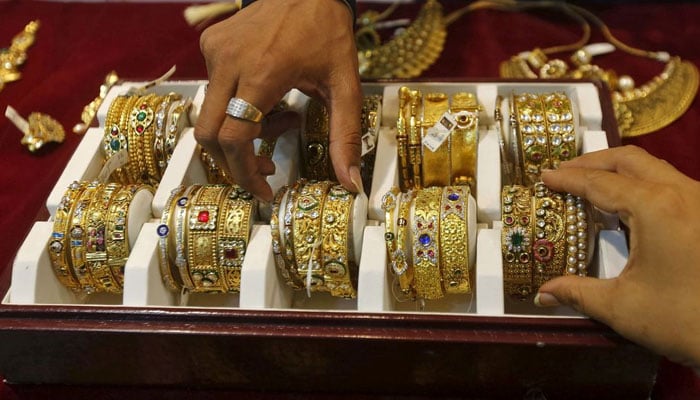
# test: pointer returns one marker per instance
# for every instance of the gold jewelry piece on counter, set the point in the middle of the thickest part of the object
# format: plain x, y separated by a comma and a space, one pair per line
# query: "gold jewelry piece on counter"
559, 118
516, 241
638, 110
77, 234
90, 110
168, 272
13, 57
549, 247
405, 173
408, 53
317, 165
42, 129
532, 136
60, 241
426, 251
95, 243
576, 236
402, 259
339, 267
233, 234
307, 213
454, 239
435, 164
464, 140
202, 219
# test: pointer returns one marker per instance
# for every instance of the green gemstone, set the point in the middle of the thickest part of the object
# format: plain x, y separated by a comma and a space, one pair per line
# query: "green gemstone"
141, 116
517, 239
115, 145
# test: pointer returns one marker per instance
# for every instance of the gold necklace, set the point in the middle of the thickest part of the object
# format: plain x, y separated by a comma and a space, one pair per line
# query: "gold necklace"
638, 110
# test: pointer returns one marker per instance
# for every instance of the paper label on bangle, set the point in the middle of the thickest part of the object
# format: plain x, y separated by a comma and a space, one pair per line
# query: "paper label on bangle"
438, 133
369, 142
117, 160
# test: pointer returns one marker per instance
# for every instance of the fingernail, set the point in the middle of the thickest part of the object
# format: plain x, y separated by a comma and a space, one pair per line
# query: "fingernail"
546, 300
356, 179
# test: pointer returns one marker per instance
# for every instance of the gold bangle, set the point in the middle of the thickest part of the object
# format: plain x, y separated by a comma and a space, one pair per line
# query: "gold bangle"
402, 259
405, 180
370, 123
115, 136
95, 245
464, 140
141, 117
317, 165
179, 241
577, 233
202, 219
288, 251
308, 209
454, 239
560, 127
277, 245
415, 142
116, 229
126, 174
549, 247
178, 119
534, 142
339, 267
58, 247
426, 250
390, 202
233, 234
168, 271
77, 233
516, 241
435, 165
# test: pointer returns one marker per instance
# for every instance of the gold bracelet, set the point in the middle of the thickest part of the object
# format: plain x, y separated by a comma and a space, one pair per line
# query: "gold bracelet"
159, 133
370, 124
339, 267
317, 165
405, 180
116, 229
577, 234
560, 128
77, 235
288, 251
415, 141
454, 239
178, 119
390, 202
202, 219
115, 134
58, 247
549, 248
168, 271
179, 240
277, 245
308, 209
516, 241
464, 140
534, 142
402, 260
435, 165
233, 233
95, 245
141, 117
426, 250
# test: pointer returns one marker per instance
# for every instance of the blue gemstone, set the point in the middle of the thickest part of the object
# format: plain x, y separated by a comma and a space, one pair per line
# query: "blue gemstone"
453, 196
424, 239
182, 201
163, 230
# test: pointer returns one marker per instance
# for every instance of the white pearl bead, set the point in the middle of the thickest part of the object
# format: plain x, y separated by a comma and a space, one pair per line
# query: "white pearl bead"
625, 83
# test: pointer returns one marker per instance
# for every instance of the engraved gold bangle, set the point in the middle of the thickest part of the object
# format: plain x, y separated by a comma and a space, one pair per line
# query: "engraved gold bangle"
415, 140
339, 267
454, 239
58, 247
233, 233
141, 118
178, 240
277, 245
288, 251
95, 244
116, 133
435, 165
405, 179
533, 138
308, 209
317, 165
390, 202
464, 140
203, 214
402, 259
159, 134
168, 271
516, 241
77, 234
560, 127
426, 250
549, 247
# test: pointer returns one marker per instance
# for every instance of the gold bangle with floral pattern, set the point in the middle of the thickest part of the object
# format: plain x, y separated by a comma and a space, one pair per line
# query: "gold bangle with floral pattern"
339, 267
233, 233
549, 247
516, 241
426, 239
95, 244
534, 142
203, 215
288, 250
317, 165
77, 234
560, 127
59, 245
454, 239
308, 209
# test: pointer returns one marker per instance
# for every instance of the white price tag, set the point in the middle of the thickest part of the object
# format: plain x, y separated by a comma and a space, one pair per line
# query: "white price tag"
369, 142
117, 160
438, 133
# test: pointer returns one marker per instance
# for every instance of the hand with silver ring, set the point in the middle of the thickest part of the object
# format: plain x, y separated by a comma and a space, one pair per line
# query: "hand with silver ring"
258, 55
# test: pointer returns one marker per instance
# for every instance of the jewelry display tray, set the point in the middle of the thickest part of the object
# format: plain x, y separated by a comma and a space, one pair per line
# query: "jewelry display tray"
273, 338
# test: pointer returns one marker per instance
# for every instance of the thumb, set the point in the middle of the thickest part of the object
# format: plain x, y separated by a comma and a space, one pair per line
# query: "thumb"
589, 296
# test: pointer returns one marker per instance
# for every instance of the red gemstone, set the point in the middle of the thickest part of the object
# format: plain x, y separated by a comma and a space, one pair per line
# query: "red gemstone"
115, 131
447, 207
459, 207
139, 129
419, 253
203, 216
430, 226
143, 106
431, 253
231, 254
419, 225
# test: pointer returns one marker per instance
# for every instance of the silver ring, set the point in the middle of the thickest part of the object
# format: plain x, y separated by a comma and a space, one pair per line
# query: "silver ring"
241, 109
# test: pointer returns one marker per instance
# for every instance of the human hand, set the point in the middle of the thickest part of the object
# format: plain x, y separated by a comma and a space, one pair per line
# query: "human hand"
656, 299
258, 55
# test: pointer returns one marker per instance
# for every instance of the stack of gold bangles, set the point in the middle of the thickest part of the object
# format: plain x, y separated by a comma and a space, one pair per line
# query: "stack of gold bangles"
312, 237
427, 240
545, 234
437, 139
89, 245
203, 237
543, 133
147, 128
